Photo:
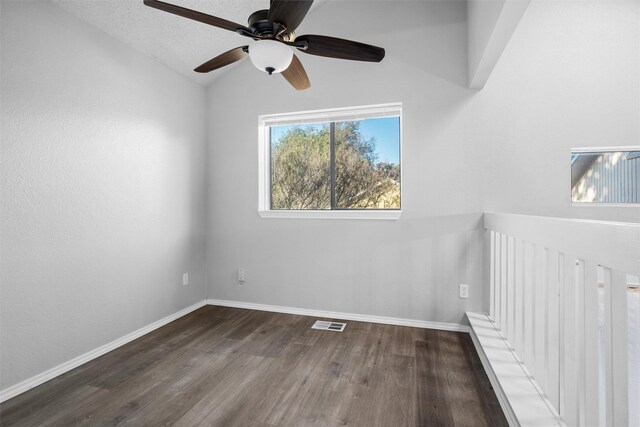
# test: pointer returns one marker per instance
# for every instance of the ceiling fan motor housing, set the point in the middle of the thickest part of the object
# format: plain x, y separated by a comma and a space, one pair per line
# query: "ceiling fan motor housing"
259, 23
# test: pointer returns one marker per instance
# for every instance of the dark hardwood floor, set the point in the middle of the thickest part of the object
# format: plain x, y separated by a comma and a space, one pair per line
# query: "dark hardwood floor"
226, 367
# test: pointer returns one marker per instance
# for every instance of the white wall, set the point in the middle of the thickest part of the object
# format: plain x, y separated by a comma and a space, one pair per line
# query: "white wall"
482, 16
102, 189
490, 25
103, 168
570, 77
408, 268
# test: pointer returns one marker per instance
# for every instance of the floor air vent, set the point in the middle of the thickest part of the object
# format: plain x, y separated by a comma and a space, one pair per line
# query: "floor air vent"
329, 326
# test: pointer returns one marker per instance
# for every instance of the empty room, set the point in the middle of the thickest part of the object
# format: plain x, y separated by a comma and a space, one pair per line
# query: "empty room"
320, 213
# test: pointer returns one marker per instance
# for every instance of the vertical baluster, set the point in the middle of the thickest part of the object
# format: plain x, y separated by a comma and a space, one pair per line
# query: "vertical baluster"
561, 334
498, 285
633, 347
503, 284
619, 348
552, 331
579, 343
540, 321
511, 290
492, 275
525, 302
591, 344
519, 298
570, 378
529, 319
608, 333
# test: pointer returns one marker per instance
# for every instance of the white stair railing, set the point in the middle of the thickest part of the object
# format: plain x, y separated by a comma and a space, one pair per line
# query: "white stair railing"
560, 297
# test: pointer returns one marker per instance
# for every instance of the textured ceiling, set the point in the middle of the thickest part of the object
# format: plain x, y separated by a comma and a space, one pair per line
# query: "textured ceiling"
179, 43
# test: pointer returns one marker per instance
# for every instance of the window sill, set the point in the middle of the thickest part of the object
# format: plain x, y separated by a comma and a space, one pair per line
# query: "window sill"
328, 214
603, 205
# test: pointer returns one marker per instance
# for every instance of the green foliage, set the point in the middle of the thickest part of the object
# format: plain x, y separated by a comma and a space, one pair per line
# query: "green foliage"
301, 171
390, 170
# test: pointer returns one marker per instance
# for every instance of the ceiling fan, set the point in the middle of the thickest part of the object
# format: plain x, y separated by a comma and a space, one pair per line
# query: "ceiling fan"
273, 37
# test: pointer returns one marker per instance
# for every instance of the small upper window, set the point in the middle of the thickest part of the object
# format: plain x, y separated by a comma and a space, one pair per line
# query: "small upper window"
606, 176
331, 163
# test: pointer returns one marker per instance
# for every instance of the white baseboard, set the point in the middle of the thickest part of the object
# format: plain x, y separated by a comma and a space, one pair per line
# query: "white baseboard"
345, 316
45, 376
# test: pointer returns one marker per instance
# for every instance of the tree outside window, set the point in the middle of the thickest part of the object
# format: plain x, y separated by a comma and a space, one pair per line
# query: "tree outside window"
341, 165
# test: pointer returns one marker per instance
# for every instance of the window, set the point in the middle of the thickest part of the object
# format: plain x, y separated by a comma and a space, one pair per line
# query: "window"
605, 176
340, 163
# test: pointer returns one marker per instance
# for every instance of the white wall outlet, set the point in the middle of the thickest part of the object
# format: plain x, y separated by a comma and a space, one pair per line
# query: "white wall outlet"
464, 291
241, 275
185, 279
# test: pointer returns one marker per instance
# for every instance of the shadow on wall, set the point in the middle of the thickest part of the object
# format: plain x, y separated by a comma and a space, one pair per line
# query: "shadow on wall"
433, 39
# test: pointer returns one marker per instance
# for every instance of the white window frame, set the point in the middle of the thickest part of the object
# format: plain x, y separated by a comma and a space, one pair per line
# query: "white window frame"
602, 149
320, 116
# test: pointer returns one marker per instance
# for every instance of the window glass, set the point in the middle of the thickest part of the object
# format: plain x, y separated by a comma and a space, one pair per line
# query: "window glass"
367, 156
605, 176
300, 169
337, 160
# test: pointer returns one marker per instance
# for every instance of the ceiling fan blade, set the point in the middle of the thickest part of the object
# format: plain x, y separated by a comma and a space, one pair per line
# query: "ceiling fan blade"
289, 13
296, 75
226, 58
333, 47
196, 16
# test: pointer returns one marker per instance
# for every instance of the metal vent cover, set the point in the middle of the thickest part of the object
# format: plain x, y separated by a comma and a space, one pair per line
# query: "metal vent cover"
329, 326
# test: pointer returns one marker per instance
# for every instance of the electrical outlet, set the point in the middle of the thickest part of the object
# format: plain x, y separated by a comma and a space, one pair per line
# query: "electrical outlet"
464, 291
241, 275
185, 279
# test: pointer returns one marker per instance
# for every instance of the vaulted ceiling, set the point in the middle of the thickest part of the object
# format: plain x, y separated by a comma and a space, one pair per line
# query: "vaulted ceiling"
183, 44
179, 43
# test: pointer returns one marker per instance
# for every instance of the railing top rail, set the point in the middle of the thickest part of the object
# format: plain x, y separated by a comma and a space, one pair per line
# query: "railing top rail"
612, 244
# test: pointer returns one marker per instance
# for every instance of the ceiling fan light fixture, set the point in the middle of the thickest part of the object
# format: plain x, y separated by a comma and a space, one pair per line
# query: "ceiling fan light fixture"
270, 56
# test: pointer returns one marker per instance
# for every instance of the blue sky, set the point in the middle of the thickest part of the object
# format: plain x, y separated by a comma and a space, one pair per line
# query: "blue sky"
387, 137
385, 130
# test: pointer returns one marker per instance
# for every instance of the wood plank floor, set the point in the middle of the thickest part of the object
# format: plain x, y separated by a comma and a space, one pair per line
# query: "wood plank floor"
222, 366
